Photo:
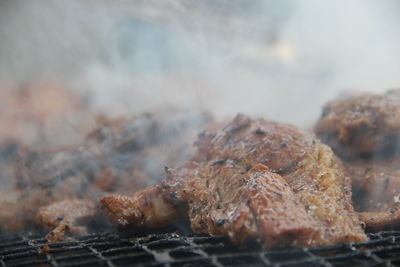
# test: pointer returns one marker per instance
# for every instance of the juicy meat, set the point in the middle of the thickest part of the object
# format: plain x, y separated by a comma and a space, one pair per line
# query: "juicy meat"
147, 209
247, 204
38, 115
378, 220
253, 180
376, 183
376, 191
364, 124
364, 130
44, 114
67, 218
121, 155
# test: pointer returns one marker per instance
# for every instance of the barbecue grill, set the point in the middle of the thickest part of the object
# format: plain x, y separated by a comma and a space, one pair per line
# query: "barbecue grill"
177, 249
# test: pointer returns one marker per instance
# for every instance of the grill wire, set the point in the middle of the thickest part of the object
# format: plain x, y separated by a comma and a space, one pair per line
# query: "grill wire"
174, 249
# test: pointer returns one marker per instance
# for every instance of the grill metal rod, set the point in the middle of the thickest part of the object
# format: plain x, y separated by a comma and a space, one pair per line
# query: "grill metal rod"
174, 249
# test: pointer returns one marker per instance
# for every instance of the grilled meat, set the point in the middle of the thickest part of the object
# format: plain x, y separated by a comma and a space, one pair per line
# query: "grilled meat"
118, 156
147, 209
376, 183
67, 218
364, 131
44, 114
364, 124
253, 180
378, 220
376, 191
38, 115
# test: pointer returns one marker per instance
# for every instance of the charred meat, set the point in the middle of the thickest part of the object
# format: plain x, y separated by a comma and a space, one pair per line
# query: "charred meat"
376, 191
118, 156
361, 125
253, 180
44, 114
364, 130
67, 218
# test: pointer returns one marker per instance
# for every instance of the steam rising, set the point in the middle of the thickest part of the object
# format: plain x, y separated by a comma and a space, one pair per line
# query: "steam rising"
277, 59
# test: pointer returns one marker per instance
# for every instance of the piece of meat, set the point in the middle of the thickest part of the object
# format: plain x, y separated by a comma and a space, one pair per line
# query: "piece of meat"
146, 210
364, 124
114, 148
120, 155
67, 218
44, 114
376, 191
258, 204
364, 131
376, 183
40, 115
254, 180
378, 220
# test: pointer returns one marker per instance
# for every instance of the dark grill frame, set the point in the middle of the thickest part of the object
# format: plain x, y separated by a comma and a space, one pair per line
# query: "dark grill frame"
174, 249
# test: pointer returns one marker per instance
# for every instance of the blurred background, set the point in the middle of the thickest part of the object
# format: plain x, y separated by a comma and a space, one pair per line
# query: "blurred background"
276, 59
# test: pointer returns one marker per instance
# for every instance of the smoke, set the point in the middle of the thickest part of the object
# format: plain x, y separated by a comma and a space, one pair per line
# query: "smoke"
277, 59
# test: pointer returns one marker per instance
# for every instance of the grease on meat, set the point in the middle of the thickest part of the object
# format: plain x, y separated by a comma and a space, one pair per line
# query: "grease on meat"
67, 218
364, 130
120, 155
253, 180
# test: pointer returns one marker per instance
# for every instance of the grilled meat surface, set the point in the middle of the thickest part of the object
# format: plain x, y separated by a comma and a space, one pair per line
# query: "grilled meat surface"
44, 114
364, 130
254, 179
361, 125
67, 218
376, 183
121, 155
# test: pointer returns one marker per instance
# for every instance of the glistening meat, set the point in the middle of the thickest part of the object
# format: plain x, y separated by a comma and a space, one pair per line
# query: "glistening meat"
364, 130
119, 154
253, 180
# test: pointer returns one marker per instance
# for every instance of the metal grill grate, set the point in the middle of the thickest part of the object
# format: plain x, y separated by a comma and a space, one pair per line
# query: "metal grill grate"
173, 249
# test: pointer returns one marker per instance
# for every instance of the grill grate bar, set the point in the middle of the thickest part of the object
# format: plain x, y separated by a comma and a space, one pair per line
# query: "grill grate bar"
214, 261
173, 249
98, 254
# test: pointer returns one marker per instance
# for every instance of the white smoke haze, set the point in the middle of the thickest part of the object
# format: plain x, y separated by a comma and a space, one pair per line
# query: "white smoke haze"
276, 59
280, 60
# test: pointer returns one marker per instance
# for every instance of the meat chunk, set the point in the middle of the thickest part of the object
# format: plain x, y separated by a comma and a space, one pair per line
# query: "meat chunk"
115, 148
40, 114
376, 183
146, 210
253, 180
44, 114
378, 220
376, 191
248, 204
363, 124
67, 218
118, 156
364, 131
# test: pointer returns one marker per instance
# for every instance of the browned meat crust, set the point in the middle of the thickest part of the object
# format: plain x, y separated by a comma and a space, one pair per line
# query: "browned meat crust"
376, 191
255, 180
117, 149
118, 156
365, 131
376, 183
39, 115
247, 204
67, 218
378, 220
361, 125
146, 210
44, 114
